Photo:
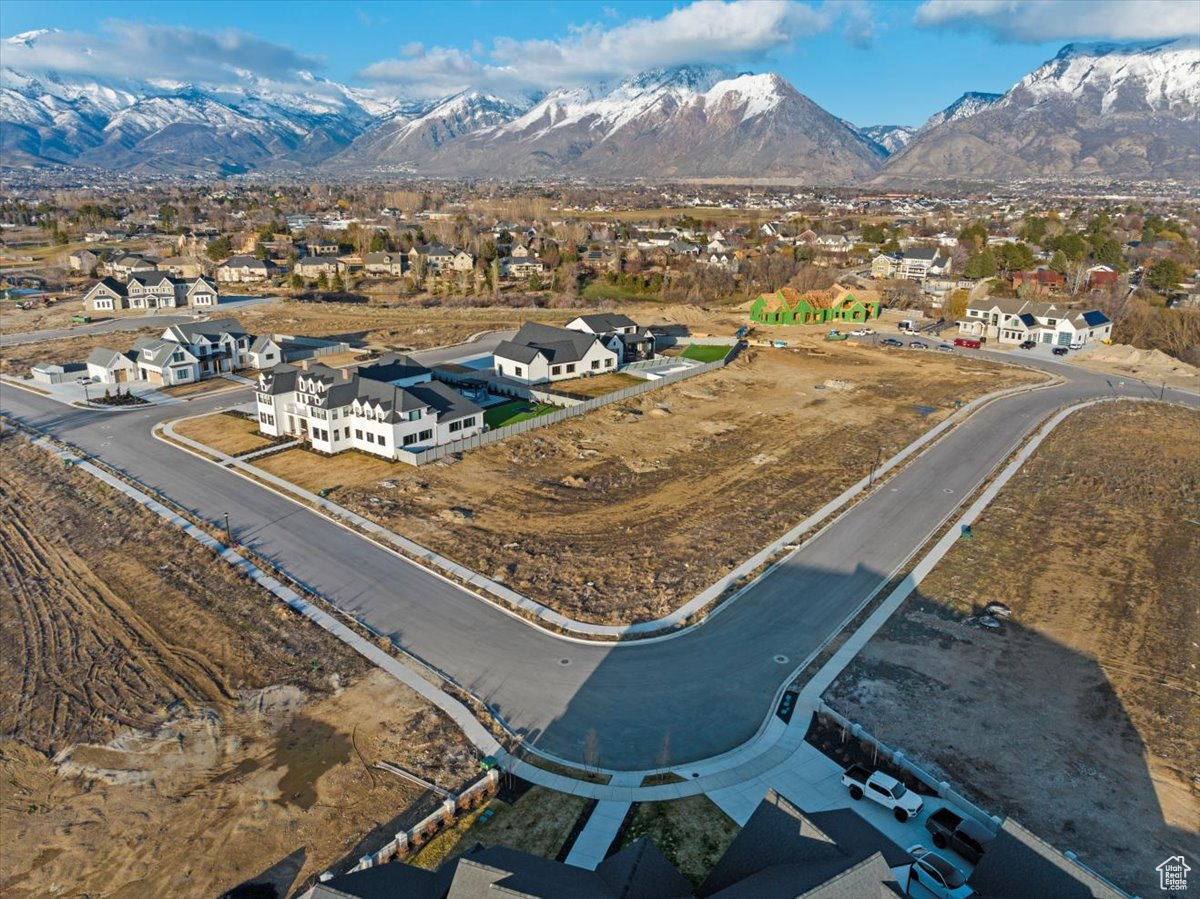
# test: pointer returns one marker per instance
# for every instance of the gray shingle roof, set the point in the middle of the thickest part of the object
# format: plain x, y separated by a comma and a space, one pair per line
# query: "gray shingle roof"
607, 321
189, 331
1018, 864
556, 344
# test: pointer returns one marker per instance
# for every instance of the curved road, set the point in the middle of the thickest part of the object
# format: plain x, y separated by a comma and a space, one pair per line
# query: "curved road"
627, 706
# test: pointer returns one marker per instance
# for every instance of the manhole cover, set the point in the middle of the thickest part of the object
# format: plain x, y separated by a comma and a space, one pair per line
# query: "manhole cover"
947, 490
782, 660
564, 661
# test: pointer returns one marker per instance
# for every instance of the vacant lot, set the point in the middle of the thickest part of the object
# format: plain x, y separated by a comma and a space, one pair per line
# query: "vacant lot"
599, 385
1079, 717
628, 511
232, 434
172, 729
16, 360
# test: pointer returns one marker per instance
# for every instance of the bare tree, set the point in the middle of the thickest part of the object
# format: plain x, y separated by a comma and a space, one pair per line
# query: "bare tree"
591, 749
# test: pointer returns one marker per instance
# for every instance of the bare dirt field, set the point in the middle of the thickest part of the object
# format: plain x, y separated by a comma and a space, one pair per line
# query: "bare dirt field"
1153, 367
16, 360
628, 511
598, 385
172, 729
1079, 717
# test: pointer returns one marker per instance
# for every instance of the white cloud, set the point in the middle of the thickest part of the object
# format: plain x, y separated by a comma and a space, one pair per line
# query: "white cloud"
1035, 21
705, 32
159, 52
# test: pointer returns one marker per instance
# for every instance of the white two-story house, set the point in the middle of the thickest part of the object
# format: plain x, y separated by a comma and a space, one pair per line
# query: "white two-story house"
1014, 321
539, 354
619, 333
154, 290
388, 408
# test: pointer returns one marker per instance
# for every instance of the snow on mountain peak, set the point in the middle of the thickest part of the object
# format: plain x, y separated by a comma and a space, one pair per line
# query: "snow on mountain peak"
759, 93
1158, 76
969, 104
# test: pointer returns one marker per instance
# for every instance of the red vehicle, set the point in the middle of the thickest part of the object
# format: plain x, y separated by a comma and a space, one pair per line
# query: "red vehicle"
969, 342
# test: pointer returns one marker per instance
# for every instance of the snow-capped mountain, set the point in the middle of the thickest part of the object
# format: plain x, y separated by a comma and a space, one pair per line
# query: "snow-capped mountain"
1094, 110
969, 104
408, 135
165, 125
688, 121
892, 138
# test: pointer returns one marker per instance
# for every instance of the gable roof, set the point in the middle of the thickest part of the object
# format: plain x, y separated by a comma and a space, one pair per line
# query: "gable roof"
557, 345
106, 358
600, 322
393, 367
111, 284
158, 352
1017, 863
190, 332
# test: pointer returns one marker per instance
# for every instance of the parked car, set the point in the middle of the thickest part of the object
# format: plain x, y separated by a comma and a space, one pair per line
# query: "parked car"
1077, 344
918, 345
970, 343
963, 835
1059, 351
85, 380
862, 332
946, 347
937, 875
1028, 344
884, 789
891, 341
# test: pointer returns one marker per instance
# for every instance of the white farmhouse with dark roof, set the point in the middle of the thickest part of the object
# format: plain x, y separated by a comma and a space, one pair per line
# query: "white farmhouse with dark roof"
619, 333
387, 408
1014, 321
539, 354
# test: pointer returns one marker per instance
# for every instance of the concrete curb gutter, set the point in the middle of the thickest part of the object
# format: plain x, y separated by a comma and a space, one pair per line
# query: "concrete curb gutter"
536, 614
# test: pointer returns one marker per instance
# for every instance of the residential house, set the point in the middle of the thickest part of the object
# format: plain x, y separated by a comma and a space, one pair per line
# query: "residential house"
438, 259
913, 264
1100, 276
315, 266
165, 362
219, 346
246, 269
727, 261
321, 249
185, 268
150, 291
83, 261
539, 354
838, 244
1043, 280
124, 266
107, 366
619, 333
54, 373
265, 352
385, 263
386, 408
787, 306
1013, 321
521, 267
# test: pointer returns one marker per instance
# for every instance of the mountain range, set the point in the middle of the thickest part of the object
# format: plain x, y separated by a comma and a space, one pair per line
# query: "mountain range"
1095, 110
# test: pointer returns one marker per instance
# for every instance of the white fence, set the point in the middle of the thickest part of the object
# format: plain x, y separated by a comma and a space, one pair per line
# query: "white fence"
424, 829
572, 408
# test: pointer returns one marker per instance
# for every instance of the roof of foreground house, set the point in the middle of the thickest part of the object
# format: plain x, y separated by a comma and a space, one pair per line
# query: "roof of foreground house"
555, 344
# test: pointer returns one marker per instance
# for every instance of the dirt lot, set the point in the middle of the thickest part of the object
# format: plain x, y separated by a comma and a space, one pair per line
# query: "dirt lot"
1079, 717
598, 385
653, 499
1153, 367
172, 729
16, 360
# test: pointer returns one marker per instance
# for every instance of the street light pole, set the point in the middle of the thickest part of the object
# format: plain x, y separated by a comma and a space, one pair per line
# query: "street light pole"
228, 532
871, 476
87, 400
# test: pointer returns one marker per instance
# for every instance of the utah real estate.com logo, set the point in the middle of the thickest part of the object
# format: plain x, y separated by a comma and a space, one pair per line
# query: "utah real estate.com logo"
1172, 874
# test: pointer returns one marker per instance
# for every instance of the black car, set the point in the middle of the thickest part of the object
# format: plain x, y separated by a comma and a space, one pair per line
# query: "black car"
1028, 344
891, 341
1059, 351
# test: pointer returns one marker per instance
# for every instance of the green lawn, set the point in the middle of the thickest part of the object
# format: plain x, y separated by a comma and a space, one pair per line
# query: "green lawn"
599, 290
703, 353
514, 411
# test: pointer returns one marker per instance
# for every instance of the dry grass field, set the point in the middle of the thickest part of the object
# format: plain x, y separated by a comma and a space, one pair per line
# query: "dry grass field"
172, 729
1080, 716
626, 512
232, 434
16, 360
692, 833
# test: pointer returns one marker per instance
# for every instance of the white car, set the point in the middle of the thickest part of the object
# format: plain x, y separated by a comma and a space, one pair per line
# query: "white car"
937, 875
861, 332
84, 381
1077, 345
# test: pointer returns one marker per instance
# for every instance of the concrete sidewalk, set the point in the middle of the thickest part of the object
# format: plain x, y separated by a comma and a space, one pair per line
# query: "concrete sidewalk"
592, 843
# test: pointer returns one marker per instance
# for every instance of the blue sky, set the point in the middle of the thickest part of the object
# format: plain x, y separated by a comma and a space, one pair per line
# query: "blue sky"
868, 61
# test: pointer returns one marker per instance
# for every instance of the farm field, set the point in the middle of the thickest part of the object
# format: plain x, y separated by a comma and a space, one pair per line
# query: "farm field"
1079, 716
164, 708
647, 496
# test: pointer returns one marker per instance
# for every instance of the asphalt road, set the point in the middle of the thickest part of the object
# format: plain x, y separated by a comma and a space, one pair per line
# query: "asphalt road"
227, 306
648, 704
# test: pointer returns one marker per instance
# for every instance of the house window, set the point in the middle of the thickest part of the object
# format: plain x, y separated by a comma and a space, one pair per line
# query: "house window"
556, 370
455, 426
414, 415
608, 363
358, 434
571, 368
425, 435
517, 370
262, 416
595, 364
468, 422
410, 439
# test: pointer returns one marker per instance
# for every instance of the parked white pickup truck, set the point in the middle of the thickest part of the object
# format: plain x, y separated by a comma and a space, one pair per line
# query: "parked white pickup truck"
884, 789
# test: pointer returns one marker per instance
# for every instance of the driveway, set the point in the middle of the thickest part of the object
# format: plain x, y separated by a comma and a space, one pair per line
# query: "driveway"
626, 706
